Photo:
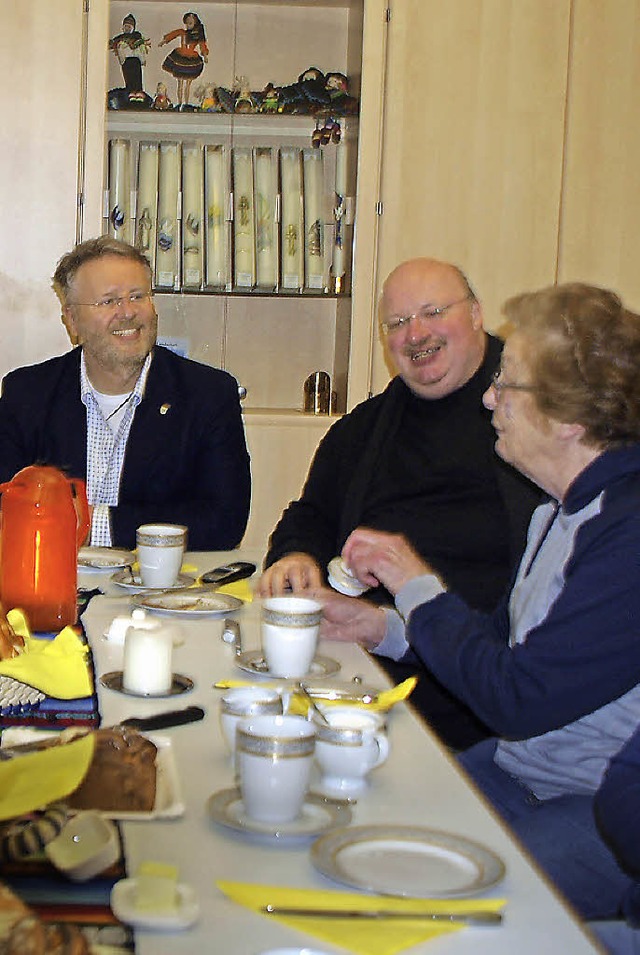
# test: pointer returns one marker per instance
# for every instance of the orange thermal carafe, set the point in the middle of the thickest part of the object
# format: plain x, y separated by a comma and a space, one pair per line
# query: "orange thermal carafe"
44, 520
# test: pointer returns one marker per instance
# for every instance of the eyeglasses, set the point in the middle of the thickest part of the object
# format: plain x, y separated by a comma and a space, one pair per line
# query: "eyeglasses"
396, 322
110, 305
500, 386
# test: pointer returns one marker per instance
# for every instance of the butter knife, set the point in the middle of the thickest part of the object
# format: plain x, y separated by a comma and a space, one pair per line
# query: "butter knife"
469, 917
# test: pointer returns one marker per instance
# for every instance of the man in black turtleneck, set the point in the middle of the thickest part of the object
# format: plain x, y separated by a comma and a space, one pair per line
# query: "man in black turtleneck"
417, 459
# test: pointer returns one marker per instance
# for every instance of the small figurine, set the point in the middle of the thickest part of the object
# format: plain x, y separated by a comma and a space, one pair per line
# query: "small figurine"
131, 49
185, 62
329, 132
337, 86
208, 98
245, 102
161, 99
269, 99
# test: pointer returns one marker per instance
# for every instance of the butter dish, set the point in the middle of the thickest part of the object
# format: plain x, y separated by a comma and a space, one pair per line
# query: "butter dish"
185, 913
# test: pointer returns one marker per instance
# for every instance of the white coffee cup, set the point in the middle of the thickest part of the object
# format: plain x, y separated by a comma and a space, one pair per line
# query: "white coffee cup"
160, 548
147, 665
290, 627
242, 702
274, 755
348, 748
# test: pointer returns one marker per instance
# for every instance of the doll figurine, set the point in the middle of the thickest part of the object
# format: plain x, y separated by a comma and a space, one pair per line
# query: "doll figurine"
185, 62
131, 49
161, 99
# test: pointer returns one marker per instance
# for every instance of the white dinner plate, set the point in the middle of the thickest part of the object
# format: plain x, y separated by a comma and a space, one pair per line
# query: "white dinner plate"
190, 603
123, 905
252, 661
226, 808
407, 861
130, 581
104, 558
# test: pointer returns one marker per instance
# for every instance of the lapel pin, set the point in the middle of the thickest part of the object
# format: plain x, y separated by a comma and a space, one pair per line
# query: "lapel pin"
164, 408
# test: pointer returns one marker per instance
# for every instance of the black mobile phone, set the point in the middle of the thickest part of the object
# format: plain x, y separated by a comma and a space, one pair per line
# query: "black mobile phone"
225, 574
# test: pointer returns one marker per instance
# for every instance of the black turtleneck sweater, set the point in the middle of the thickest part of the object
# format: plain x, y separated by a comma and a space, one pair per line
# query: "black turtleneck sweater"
426, 469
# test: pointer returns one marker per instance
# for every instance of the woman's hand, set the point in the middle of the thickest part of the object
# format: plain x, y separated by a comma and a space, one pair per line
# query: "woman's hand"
376, 557
350, 619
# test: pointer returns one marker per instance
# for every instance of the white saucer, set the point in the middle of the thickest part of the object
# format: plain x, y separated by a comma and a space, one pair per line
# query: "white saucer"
115, 681
226, 808
252, 661
123, 897
104, 558
128, 580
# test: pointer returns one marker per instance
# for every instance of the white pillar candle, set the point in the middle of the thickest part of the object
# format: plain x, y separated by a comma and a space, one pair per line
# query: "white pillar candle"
191, 215
243, 229
119, 194
216, 201
292, 222
266, 232
147, 205
167, 244
314, 219
147, 666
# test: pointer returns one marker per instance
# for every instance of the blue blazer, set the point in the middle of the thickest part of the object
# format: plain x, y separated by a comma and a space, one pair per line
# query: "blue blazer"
186, 460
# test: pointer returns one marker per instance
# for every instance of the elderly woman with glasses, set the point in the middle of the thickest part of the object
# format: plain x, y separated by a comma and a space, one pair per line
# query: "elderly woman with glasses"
555, 669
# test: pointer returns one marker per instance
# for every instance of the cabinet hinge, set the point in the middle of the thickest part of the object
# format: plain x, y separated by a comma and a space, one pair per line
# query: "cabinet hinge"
387, 15
86, 6
379, 208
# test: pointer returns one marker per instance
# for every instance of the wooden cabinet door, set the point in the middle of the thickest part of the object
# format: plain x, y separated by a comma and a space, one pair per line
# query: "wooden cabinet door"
599, 238
473, 142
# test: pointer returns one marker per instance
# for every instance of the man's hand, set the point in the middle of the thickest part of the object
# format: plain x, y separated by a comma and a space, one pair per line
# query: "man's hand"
376, 557
295, 573
350, 619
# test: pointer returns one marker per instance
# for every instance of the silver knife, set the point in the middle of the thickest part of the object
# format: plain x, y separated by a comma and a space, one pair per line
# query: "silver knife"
469, 917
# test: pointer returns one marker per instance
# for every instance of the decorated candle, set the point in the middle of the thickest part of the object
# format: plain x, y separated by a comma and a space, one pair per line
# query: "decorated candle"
313, 218
292, 242
119, 198
167, 245
147, 204
243, 218
265, 206
191, 215
216, 201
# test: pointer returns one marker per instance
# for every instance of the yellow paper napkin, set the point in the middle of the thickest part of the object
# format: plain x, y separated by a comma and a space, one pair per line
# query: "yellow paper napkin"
35, 780
386, 699
374, 937
238, 588
57, 667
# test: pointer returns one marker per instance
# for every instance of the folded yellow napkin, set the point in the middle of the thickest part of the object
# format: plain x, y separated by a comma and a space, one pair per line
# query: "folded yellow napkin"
238, 588
365, 937
386, 699
58, 667
35, 780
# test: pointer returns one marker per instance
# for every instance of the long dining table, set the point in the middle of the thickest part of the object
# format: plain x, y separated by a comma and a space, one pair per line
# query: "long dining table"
420, 784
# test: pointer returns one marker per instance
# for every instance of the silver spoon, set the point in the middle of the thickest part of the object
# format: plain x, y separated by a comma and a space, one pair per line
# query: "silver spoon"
312, 703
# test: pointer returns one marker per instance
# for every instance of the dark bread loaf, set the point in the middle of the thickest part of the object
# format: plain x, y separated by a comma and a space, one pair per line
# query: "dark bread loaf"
121, 775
